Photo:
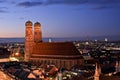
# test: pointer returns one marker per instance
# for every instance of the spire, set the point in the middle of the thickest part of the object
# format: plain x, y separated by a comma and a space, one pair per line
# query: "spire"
97, 72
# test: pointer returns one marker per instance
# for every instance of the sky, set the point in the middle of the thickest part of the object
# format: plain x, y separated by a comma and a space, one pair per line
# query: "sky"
61, 18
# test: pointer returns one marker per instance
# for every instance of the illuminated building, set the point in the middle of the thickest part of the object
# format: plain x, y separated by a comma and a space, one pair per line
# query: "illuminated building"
61, 54
97, 72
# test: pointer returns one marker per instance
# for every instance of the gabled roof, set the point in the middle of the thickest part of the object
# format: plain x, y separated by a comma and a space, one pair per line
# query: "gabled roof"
55, 48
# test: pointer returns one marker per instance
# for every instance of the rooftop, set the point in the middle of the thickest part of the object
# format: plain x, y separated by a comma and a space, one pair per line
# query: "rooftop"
55, 48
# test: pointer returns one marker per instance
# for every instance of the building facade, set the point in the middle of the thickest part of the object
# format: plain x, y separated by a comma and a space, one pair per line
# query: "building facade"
61, 54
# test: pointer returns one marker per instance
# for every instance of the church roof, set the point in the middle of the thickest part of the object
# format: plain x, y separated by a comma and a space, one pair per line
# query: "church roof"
55, 48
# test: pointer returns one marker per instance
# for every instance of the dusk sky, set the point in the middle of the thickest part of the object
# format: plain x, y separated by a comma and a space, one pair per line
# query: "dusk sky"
61, 18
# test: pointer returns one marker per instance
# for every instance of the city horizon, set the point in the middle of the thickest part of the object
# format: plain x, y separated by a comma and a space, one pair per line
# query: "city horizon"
46, 39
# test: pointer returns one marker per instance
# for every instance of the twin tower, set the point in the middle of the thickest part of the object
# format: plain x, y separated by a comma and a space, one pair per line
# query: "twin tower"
30, 35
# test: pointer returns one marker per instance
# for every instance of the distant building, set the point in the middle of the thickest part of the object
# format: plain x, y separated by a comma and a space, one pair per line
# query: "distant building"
61, 54
106, 39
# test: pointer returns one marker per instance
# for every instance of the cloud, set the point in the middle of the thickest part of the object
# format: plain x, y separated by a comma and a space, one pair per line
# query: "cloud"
13, 2
102, 7
105, 7
101, 3
69, 2
50, 2
29, 4
3, 9
1, 1
21, 18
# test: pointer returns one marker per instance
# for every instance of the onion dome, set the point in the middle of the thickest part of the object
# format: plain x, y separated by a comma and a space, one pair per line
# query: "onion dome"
37, 24
28, 23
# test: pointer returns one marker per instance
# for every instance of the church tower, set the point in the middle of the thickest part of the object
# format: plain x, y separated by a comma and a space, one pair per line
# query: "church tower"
37, 32
97, 72
28, 40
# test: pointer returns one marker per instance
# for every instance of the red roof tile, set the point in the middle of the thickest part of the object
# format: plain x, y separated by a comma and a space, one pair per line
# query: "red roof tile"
55, 48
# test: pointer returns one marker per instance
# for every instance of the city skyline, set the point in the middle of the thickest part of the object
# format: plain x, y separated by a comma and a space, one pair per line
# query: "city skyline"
61, 18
